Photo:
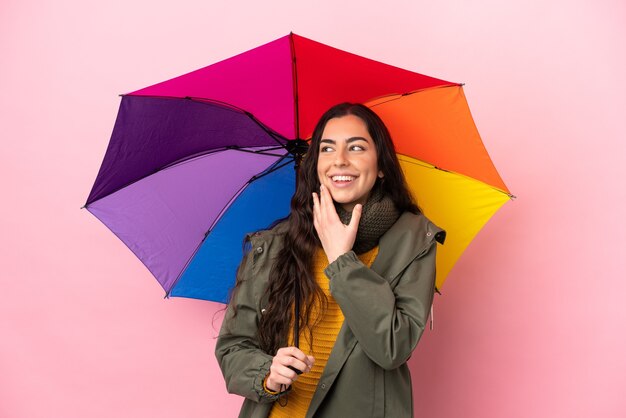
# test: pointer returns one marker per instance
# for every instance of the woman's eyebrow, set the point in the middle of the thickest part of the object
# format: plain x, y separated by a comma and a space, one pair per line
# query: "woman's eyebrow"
356, 138
349, 140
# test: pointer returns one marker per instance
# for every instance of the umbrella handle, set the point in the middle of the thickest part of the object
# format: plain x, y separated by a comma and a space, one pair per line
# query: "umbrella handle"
298, 372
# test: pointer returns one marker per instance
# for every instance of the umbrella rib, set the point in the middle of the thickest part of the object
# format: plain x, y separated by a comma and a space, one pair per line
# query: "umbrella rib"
201, 100
274, 167
273, 148
414, 161
398, 96
294, 72
190, 158
258, 152
274, 135
206, 234
269, 171
180, 274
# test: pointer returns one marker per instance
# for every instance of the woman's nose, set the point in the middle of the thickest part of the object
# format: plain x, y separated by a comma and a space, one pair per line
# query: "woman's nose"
340, 158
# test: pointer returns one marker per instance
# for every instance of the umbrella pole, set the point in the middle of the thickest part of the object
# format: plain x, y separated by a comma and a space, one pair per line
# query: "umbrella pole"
296, 321
296, 313
297, 147
300, 149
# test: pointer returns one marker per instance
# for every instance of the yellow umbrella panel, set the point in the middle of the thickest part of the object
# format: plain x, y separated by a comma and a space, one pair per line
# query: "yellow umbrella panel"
454, 202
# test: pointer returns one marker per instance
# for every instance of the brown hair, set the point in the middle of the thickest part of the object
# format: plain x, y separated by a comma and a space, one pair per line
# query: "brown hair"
294, 261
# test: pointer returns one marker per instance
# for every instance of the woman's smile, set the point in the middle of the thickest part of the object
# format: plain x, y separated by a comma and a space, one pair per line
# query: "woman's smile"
343, 180
347, 164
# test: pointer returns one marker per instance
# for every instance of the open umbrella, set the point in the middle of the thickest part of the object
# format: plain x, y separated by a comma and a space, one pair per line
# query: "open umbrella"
197, 161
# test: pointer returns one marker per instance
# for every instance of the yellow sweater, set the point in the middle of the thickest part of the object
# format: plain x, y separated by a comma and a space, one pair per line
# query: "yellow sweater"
324, 336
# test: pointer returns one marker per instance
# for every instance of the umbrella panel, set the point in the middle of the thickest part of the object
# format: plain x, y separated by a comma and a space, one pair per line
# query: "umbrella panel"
454, 202
436, 125
164, 217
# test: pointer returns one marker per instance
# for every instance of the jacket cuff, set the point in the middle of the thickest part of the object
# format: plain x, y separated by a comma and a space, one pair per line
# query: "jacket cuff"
343, 262
259, 386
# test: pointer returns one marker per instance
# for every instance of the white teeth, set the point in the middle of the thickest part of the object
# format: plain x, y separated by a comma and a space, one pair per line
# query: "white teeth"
343, 178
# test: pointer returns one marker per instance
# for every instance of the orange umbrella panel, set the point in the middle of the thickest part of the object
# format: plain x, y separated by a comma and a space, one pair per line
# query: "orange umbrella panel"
435, 125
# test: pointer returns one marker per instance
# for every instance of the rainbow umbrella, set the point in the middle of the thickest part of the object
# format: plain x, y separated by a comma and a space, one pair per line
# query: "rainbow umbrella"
197, 161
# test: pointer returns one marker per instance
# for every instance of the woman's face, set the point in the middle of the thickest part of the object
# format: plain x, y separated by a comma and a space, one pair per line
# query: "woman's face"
347, 164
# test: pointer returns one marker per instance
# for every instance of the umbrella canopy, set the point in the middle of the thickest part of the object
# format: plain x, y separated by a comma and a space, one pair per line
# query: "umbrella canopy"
197, 161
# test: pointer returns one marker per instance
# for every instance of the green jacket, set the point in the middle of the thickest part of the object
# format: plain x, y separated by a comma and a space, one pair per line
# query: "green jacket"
385, 307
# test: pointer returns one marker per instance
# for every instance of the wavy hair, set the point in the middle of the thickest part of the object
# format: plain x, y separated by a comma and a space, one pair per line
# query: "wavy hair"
295, 259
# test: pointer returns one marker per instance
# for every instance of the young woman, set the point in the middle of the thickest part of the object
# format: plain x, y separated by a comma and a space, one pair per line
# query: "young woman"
360, 259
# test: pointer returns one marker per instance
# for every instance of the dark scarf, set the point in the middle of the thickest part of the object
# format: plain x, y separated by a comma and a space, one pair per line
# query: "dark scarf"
379, 213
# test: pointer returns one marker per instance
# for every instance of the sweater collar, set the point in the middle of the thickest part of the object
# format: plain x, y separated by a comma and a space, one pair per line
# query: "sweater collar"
379, 214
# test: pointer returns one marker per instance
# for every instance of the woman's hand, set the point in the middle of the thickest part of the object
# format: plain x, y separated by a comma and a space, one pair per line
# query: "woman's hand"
280, 371
336, 238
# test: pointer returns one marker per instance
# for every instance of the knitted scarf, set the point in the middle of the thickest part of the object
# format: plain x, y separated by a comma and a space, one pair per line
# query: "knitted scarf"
379, 213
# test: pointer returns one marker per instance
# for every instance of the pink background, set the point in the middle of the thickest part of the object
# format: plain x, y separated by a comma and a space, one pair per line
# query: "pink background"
531, 322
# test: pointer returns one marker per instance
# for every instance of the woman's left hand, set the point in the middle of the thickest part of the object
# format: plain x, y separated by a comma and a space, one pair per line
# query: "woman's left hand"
336, 238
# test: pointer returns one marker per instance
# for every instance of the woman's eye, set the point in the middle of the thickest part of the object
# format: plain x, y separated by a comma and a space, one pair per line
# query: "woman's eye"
357, 148
326, 149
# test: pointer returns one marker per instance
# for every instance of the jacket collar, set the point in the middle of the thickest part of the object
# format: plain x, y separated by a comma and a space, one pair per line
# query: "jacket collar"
410, 236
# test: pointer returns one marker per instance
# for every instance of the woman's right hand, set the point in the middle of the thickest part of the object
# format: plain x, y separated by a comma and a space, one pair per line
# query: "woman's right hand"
281, 374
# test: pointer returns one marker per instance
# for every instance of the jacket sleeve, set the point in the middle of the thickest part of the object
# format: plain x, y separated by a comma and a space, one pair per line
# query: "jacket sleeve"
386, 315
243, 363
